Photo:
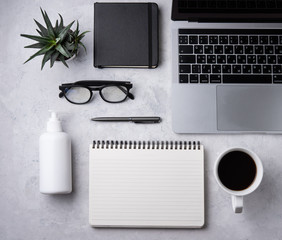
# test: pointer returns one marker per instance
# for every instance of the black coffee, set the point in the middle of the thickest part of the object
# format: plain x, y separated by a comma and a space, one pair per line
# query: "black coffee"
237, 170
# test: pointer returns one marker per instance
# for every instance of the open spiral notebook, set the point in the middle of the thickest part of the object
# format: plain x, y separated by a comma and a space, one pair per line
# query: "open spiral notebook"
146, 184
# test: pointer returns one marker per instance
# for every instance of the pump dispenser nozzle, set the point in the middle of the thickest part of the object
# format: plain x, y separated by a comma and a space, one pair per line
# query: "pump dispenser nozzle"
54, 124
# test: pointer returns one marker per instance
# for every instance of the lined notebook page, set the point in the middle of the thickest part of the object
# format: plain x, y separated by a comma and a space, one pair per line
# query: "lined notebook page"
146, 187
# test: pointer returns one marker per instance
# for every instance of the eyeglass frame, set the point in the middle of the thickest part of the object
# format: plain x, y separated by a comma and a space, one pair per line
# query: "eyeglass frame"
102, 84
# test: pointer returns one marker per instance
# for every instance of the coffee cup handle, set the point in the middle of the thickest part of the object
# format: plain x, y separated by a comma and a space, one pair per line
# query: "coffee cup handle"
237, 203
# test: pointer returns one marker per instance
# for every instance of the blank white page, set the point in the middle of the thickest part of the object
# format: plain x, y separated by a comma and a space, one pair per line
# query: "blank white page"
146, 187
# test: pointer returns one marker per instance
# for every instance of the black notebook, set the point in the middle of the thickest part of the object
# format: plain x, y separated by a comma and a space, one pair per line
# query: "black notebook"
126, 35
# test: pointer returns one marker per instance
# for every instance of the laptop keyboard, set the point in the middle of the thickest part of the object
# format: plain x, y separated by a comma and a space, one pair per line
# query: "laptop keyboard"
230, 56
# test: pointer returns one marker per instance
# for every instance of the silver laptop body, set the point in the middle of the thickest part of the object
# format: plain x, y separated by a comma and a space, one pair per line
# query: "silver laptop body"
223, 108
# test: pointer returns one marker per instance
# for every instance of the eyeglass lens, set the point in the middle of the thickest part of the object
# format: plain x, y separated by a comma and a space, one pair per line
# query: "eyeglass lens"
114, 93
78, 94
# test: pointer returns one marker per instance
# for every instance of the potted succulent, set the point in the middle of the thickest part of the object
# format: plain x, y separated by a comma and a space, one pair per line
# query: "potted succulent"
58, 43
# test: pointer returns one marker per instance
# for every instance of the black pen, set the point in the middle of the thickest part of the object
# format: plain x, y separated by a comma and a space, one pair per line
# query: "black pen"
128, 119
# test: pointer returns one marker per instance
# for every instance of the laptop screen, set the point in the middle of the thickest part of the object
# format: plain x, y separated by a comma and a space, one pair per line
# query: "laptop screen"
241, 10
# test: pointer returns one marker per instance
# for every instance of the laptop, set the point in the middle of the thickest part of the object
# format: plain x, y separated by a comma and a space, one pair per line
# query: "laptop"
227, 66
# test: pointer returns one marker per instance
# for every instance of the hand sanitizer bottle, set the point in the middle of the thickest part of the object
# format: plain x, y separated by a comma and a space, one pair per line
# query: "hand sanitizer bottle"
55, 159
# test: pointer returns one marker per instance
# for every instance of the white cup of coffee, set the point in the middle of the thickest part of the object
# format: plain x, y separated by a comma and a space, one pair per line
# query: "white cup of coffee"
239, 172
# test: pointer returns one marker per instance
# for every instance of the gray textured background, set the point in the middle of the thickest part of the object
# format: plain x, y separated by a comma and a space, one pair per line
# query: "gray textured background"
26, 94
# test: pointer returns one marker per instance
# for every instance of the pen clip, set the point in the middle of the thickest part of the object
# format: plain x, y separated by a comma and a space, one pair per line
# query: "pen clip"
154, 120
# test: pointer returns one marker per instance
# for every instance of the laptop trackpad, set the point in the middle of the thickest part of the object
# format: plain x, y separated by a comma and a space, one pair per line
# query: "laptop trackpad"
249, 108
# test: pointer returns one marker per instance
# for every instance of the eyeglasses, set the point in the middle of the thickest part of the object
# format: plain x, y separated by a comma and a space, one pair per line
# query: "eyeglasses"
81, 92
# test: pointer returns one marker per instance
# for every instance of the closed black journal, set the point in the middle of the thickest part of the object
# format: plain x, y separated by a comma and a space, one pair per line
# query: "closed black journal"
126, 35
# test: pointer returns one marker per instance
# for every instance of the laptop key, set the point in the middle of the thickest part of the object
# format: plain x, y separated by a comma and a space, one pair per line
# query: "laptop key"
208, 49
241, 4
193, 39
266, 68
261, 4
247, 68
268, 49
187, 58
186, 49
213, 40
277, 68
249, 49
231, 59
258, 49
270, 4
244, 78
239, 49
204, 78
241, 59
279, 59
228, 49
201, 58
263, 39
215, 78
223, 39
226, 68
256, 68
261, 59
243, 40
278, 49
183, 40
196, 68
271, 59
203, 40
233, 39
253, 39
211, 59
236, 68
185, 68
183, 78
198, 49
273, 39
194, 78
221, 58
251, 4
277, 78
218, 49
251, 59
206, 68
216, 69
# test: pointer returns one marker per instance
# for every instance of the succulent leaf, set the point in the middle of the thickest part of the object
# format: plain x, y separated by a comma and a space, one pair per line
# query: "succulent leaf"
40, 33
81, 44
48, 23
64, 32
40, 52
77, 28
61, 26
56, 31
62, 51
82, 35
43, 40
46, 57
36, 45
63, 60
42, 29
54, 58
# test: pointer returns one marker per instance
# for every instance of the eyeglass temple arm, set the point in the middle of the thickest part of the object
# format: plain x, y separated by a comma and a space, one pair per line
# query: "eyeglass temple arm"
98, 82
130, 95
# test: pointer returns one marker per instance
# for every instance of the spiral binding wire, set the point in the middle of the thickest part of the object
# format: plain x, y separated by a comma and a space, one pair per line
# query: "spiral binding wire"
174, 145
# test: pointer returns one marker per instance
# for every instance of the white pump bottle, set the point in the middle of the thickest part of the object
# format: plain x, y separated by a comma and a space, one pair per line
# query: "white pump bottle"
55, 159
